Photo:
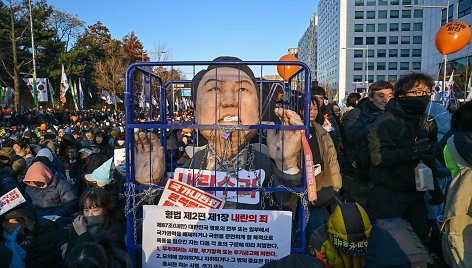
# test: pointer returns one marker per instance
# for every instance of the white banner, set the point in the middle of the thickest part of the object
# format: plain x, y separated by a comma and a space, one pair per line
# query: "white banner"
182, 237
64, 85
210, 178
119, 159
10, 200
179, 194
42, 86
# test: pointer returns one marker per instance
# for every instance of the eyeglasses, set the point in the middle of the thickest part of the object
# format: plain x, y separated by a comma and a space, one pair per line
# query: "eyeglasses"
419, 93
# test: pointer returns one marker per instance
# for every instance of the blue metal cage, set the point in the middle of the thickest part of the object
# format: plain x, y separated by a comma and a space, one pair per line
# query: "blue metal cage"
141, 78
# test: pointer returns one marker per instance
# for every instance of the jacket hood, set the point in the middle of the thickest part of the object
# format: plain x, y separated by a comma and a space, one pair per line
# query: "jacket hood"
463, 143
39, 172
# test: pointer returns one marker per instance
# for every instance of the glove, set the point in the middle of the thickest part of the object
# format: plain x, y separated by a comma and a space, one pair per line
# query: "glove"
423, 149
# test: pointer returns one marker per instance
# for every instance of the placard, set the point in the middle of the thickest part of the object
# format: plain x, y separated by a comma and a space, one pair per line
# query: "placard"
119, 159
216, 238
10, 200
211, 178
179, 194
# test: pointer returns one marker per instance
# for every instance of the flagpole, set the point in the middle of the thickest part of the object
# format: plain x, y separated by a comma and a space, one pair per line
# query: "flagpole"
444, 76
35, 94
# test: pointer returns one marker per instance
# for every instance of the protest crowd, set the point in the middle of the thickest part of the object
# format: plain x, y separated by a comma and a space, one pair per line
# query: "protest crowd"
367, 152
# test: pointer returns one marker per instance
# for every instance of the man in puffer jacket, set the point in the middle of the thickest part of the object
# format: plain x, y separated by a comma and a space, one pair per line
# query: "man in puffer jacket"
9, 157
50, 192
457, 226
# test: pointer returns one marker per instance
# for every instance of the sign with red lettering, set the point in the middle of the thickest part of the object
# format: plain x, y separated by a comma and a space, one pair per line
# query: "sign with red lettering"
10, 200
211, 178
224, 238
179, 194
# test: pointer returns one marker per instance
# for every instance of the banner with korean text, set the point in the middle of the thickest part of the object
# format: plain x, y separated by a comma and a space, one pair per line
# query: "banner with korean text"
181, 237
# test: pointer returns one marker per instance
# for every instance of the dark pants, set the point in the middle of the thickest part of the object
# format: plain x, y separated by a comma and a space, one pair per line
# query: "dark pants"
409, 205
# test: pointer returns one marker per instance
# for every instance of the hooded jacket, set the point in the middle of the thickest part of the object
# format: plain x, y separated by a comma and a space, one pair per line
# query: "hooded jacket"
457, 226
58, 197
105, 147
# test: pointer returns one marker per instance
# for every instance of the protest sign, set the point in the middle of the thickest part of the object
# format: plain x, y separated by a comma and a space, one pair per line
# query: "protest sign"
10, 200
119, 159
179, 194
211, 178
185, 237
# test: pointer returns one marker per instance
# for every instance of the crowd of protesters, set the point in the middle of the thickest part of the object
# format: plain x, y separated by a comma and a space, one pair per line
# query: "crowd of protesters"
367, 153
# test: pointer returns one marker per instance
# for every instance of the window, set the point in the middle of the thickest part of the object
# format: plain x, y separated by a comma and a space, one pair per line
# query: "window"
370, 15
381, 53
418, 13
405, 40
358, 27
371, 53
417, 39
381, 66
392, 40
405, 53
416, 65
418, 26
406, 27
406, 2
394, 14
359, 14
358, 66
416, 52
465, 7
382, 27
392, 78
371, 78
382, 14
370, 27
406, 13
383, 2
393, 27
358, 53
380, 77
359, 2
392, 66
404, 65
449, 17
419, 2
358, 40
394, 2
370, 40
357, 78
371, 2
381, 40
371, 66
393, 53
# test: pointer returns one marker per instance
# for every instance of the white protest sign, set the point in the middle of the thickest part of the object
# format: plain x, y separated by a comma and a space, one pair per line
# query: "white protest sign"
10, 200
179, 194
182, 237
119, 159
211, 178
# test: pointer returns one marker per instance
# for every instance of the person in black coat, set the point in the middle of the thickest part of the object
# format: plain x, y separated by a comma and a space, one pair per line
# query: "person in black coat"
356, 153
401, 138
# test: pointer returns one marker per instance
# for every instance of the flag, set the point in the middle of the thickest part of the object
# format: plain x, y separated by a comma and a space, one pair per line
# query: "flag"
51, 93
448, 89
64, 85
89, 92
74, 98
469, 87
38, 89
81, 96
106, 96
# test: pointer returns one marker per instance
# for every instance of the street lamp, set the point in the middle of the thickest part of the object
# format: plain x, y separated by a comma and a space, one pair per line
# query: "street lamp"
366, 48
447, 21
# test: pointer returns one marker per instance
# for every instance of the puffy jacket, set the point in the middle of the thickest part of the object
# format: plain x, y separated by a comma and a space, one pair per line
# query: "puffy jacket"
356, 151
58, 198
17, 163
458, 210
7, 182
391, 140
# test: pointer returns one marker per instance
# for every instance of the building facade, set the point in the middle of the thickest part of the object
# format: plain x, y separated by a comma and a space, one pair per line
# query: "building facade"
459, 63
362, 41
307, 46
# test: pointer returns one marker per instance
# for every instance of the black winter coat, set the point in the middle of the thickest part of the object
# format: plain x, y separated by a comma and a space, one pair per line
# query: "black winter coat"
391, 141
356, 151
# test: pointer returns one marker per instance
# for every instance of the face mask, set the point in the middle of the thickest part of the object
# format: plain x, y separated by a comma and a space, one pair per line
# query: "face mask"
120, 143
94, 220
414, 105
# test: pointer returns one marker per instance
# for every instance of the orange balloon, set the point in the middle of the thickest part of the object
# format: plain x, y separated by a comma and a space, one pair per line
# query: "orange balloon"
285, 71
43, 127
452, 37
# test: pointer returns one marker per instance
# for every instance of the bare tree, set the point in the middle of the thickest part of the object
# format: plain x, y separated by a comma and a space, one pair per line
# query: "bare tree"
68, 27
